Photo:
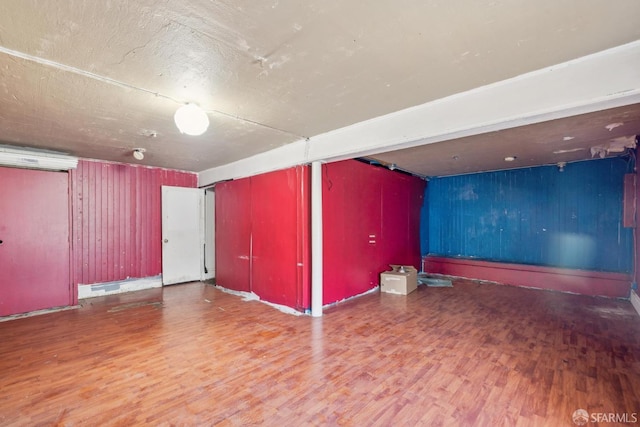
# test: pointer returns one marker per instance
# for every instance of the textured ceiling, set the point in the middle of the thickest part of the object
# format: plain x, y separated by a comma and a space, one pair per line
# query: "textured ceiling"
582, 137
97, 79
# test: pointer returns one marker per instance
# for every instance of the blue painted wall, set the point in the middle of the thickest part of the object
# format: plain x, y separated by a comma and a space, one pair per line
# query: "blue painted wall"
539, 216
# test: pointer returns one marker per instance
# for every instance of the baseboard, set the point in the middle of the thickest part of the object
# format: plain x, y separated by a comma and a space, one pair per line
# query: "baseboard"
635, 301
584, 282
118, 287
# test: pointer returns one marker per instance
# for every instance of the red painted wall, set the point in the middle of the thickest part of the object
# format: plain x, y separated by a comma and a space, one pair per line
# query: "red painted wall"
402, 199
371, 218
351, 197
582, 282
117, 221
275, 236
262, 244
233, 234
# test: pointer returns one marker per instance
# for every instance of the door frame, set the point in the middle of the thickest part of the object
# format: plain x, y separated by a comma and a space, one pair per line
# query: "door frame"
71, 297
208, 268
73, 235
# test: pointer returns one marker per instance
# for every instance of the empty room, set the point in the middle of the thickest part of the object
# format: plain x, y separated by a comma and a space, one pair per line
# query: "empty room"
321, 213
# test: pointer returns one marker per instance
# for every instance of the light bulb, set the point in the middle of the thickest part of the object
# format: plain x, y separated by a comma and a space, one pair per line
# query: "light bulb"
191, 119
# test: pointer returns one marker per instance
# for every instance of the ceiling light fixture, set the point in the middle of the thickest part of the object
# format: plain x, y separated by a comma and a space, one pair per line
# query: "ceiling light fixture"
191, 119
510, 158
138, 153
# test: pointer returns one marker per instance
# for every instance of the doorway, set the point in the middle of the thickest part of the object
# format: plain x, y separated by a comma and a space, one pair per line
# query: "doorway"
209, 265
182, 237
34, 241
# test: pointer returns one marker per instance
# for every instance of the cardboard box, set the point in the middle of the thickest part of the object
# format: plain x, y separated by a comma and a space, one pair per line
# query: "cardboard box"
402, 280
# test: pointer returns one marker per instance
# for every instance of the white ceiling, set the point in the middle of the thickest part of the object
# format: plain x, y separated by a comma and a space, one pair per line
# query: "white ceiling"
97, 79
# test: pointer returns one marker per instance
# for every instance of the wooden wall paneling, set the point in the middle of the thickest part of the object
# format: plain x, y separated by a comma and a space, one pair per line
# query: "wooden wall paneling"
274, 236
583, 282
351, 221
402, 197
537, 216
371, 219
233, 234
262, 242
116, 219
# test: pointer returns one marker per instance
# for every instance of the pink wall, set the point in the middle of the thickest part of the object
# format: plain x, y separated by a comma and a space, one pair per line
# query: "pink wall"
116, 219
584, 282
371, 218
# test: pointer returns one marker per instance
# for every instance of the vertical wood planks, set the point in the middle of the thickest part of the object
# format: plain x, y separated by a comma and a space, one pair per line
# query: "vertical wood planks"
540, 216
371, 218
116, 219
233, 234
262, 242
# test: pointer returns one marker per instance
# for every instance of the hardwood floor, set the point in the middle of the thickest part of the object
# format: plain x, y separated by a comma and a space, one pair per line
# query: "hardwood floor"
474, 354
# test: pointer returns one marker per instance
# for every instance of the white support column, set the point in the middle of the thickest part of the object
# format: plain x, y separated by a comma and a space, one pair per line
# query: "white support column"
316, 239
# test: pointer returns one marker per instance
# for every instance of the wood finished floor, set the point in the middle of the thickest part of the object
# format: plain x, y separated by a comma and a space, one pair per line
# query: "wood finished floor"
474, 354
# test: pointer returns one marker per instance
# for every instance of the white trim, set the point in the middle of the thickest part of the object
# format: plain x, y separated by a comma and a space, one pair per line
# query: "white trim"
635, 301
316, 239
209, 230
118, 287
202, 208
603, 80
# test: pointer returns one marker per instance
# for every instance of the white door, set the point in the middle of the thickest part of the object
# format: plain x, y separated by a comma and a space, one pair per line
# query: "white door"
181, 234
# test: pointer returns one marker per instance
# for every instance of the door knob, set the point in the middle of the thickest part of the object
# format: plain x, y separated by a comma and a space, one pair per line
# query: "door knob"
166, 240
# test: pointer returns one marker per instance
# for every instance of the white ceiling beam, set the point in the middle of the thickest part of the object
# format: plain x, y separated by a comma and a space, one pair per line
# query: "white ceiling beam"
607, 79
